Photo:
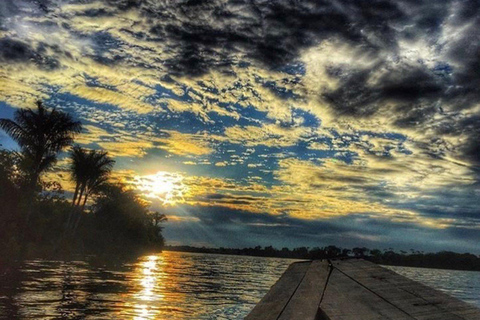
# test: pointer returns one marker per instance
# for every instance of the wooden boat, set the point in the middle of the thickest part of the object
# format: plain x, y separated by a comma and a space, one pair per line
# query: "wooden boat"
355, 289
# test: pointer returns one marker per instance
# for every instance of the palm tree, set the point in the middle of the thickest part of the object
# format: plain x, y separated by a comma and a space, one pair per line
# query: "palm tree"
41, 135
98, 167
90, 170
78, 169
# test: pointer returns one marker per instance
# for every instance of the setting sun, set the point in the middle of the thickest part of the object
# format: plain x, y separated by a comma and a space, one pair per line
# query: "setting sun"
165, 186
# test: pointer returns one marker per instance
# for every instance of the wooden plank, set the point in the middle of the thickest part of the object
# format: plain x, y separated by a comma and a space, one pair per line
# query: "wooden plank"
418, 300
306, 299
356, 290
390, 287
428, 295
275, 301
345, 299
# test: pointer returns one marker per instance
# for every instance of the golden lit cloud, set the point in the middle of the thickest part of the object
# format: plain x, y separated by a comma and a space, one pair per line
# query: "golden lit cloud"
164, 186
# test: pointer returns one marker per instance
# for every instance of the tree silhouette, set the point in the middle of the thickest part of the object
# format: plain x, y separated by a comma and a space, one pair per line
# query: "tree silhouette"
125, 217
90, 170
158, 218
41, 135
118, 218
78, 169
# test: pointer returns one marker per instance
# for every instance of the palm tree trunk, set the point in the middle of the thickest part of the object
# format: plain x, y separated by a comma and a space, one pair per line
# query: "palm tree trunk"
82, 190
76, 213
84, 201
75, 194
31, 197
80, 213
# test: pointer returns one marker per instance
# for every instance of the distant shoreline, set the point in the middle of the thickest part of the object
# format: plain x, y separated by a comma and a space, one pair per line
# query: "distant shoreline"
440, 260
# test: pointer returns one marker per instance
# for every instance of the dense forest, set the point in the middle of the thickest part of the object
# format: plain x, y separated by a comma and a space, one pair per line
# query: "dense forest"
36, 216
441, 260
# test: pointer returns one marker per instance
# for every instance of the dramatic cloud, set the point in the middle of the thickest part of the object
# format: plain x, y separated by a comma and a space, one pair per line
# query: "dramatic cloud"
314, 121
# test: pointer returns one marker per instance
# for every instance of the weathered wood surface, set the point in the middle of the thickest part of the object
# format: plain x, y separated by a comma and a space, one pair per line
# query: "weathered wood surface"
304, 302
345, 299
355, 290
279, 295
419, 301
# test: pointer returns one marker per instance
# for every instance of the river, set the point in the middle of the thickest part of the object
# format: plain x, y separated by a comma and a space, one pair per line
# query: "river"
170, 285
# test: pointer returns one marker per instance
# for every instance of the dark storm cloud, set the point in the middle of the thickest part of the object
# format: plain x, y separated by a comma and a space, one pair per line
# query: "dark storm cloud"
17, 51
210, 34
471, 147
406, 85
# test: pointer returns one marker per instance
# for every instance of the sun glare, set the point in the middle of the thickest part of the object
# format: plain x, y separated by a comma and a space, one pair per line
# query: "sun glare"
165, 186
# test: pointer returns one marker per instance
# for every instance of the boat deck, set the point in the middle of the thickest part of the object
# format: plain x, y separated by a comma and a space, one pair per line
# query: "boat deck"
355, 290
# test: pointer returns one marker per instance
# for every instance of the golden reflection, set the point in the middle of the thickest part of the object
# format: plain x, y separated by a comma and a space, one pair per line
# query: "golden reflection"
150, 274
155, 281
149, 279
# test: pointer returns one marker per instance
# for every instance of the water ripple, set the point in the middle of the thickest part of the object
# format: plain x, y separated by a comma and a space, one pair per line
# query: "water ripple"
170, 285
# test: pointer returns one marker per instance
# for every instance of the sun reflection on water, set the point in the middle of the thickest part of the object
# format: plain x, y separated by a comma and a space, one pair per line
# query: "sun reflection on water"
150, 274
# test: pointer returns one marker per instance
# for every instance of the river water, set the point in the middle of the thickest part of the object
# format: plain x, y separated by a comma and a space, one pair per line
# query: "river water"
170, 285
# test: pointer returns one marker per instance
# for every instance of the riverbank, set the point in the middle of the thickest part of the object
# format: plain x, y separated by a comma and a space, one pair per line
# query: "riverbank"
439, 260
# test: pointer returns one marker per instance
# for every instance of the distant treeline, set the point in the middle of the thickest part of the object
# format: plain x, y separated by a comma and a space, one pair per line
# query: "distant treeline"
37, 220
439, 260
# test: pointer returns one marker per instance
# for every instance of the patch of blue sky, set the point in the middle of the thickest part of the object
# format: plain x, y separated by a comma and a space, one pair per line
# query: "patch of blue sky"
185, 122
250, 112
443, 69
280, 91
233, 160
309, 120
223, 121
244, 64
249, 115
390, 135
70, 103
302, 152
262, 156
295, 68
242, 171
7, 111
189, 122
345, 156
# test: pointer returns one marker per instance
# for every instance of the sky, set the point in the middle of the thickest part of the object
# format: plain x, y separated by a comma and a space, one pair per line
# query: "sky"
284, 123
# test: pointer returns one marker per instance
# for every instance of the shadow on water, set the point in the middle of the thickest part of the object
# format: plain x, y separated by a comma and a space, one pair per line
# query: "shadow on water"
63, 289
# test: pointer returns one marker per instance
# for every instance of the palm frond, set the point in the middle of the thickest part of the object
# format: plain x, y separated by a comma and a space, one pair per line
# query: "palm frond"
13, 129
